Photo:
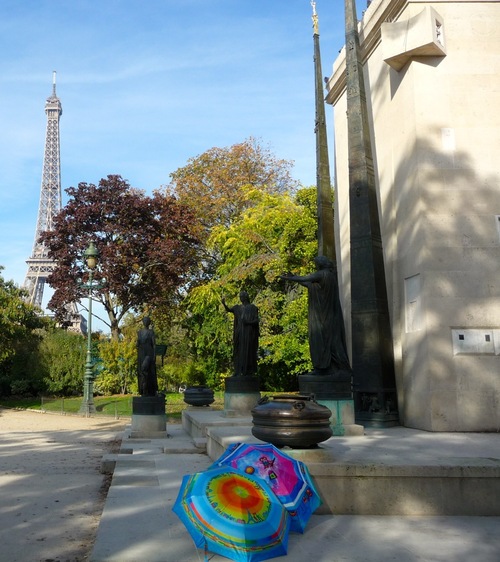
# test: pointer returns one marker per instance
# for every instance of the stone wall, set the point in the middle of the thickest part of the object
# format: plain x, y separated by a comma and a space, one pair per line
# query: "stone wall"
432, 73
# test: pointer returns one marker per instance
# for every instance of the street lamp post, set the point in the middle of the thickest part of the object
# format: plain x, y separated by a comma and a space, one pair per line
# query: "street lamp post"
91, 256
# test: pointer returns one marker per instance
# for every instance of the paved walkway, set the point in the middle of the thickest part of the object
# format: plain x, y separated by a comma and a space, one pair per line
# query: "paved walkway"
51, 494
138, 525
50, 501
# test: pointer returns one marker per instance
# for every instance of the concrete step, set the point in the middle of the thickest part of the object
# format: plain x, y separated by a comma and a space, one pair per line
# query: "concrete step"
138, 522
395, 471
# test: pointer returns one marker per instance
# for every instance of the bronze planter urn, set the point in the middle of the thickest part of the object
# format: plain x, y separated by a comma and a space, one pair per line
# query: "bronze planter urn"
198, 395
291, 420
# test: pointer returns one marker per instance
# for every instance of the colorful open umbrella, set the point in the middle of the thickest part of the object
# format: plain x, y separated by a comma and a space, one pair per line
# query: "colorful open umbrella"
233, 514
287, 477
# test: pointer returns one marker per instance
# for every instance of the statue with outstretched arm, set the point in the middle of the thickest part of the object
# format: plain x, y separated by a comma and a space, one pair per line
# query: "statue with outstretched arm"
327, 342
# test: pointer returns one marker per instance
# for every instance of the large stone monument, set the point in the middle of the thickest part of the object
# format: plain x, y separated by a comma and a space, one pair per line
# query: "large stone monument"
148, 409
242, 388
331, 379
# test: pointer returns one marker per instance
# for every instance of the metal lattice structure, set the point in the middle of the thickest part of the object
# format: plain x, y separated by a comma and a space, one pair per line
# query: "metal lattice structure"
40, 266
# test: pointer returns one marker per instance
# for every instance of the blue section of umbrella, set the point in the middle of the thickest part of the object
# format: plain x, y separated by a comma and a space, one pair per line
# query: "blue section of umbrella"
245, 504
233, 514
287, 477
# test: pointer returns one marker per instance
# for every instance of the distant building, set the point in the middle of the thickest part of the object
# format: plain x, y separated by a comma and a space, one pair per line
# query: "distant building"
432, 75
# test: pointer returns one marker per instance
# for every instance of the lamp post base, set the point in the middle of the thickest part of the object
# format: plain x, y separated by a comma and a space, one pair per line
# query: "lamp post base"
87, 408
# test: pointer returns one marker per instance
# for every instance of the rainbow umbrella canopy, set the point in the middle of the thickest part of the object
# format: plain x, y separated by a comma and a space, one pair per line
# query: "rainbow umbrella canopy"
233, 514
287, 477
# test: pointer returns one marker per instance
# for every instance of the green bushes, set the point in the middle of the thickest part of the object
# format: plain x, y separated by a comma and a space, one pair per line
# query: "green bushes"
62, 355
117, 367
20, 325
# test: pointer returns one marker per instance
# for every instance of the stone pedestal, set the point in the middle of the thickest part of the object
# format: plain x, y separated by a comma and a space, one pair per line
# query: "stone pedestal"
148, 417
335, 392
337, 386
241, 395
379, 418
342, 420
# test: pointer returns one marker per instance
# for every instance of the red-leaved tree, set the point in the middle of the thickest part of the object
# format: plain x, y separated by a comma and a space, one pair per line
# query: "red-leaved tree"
146, 246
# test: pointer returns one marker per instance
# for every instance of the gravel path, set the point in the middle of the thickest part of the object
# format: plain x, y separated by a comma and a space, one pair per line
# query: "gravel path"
51, 489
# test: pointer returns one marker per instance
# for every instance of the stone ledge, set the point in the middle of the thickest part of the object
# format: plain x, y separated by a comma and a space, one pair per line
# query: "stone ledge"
148, 434
126, 451
196, 422
439, 468
350, 430
187, 450
108, 462
407, 495
405, 484
220, 437
200, 443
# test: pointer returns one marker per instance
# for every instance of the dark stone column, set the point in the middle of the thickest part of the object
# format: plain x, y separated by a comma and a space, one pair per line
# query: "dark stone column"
372, 346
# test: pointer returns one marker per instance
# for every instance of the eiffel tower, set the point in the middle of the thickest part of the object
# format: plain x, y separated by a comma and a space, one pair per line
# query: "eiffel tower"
39, 264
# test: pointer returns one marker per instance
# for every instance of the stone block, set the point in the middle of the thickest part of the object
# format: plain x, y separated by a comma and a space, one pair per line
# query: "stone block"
407, 490
342, 419
195, 421
108, 462
241, 403
420, 36
149, 426
200, 443
148, 405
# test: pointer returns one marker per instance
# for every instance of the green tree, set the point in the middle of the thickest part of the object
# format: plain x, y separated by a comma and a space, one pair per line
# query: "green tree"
276, 234
119, 366
20, 324
178, 365
216, 185
147, 248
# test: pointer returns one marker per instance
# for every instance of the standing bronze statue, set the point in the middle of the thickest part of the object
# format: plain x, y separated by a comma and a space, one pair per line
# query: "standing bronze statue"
327, 342
245, 335
146, 360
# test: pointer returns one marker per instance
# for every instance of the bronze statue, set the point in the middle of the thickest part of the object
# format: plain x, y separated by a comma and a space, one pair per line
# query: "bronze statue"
146, 360
327, 343
245, 335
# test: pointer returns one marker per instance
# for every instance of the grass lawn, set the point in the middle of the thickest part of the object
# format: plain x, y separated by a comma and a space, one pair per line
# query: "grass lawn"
117, 406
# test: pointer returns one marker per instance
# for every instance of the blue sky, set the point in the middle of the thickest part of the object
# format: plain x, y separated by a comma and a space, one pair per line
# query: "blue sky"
147, 84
